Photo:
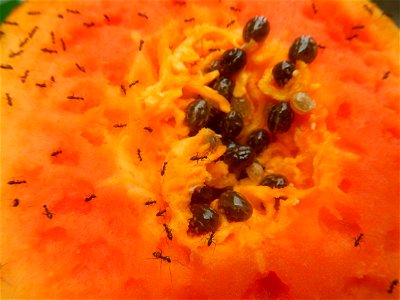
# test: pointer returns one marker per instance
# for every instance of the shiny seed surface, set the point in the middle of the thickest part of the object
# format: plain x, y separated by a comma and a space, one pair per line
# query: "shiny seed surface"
280, 118
275, 181
235, 206
258, 140
303, 48
197, 115
283, 72
257, 28
204, 220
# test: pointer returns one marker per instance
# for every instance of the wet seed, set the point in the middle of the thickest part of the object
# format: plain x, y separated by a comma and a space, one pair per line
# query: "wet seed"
224, 86
275, 181
239, 158
231, 61
302, 103
231, 125
258, 140
197, 115
303, 48
235, 207
257, 29
283, 72
280, 118
204, 220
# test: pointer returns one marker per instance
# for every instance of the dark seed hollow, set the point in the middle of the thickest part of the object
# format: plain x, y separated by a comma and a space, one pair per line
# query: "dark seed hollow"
303, 48
257, 28
275, 181
280, 118
205, 194
235, 207
283, 72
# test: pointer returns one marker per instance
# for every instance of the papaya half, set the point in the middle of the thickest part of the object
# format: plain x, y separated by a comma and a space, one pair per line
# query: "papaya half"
199, 149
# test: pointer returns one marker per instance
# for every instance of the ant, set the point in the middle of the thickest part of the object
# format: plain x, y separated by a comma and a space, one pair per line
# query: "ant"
47, 212
197, 157
161, 213
139, 155
90, 197
161, 257
210, 239
357, 240
150, 202
164, 167
168, 231
16, 182
392, 285
55, 153
15, 202
158, 255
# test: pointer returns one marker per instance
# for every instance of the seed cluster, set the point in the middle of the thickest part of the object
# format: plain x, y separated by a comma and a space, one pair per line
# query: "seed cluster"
202, 113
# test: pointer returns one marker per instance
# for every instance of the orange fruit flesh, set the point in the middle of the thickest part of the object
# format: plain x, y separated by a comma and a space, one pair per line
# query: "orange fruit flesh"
98, 74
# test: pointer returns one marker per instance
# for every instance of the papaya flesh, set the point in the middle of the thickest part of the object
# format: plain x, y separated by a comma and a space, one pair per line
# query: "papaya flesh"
99, 165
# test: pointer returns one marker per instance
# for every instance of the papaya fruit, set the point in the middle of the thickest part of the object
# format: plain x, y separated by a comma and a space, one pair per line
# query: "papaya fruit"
187, 149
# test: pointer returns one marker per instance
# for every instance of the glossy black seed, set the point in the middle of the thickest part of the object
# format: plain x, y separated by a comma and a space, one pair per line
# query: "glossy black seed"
232, 125
231, 61
303, 48
258, 140
204, 220
235, 207
239, 157
197, 115
275, 181
283, 72
205, 194
256, 28
224, 86
280, 118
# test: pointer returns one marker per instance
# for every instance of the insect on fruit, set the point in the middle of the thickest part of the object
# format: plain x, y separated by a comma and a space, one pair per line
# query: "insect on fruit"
358, 239
150, 202
161, 213
168, 231
392, 285
197, 157
211, 239
47, 212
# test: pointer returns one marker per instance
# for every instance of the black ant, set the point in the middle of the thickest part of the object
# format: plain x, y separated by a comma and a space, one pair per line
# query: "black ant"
90, 197
149, 129
158, 255
392, 285
357, 240
80, 68
47, 212
16, 182
139, 155
211, 239
197, 157
9, 99
164, 167
161, 212
161, 257
150, 202
15, 202
55, 153
168, 231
